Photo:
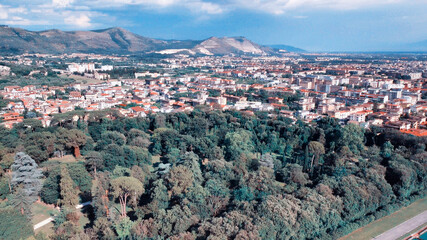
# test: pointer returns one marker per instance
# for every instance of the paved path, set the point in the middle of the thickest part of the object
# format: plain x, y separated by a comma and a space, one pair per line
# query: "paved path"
46, 221
82, 205
404, 228
42, 223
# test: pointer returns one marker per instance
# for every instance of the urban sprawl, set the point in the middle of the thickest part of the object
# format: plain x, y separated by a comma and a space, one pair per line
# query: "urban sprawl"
380, 90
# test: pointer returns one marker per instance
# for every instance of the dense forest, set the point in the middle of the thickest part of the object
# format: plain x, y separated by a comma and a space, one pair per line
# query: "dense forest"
206, 175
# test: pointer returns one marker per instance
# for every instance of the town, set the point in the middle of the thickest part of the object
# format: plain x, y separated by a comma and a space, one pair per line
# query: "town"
366, 90
203, 119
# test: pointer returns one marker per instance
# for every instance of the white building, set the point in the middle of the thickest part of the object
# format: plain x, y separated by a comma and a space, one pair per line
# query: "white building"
4, 71
107, 68
81, 68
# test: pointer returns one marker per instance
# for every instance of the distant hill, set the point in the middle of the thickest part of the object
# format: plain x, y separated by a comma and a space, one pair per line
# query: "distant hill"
417, 46
287, 48
112, 40
119, 41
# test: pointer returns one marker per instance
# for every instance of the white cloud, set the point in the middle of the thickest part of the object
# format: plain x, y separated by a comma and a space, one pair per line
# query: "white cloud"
281, 6
3, 13
82, 21
17, 10
24, 22
212, 7
205, 7
62, 3
338, 4
119, 3
195, 6
90, 13
63, 13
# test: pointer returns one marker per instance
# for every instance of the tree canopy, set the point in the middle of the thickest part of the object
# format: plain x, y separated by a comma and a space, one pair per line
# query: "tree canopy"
209, 174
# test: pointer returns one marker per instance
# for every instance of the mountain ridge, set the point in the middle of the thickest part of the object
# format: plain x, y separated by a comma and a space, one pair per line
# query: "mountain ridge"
117, 40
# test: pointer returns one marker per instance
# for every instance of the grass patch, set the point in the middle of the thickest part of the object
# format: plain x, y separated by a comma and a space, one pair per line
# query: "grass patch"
64, 159
155, 159
46, 229
41, 212
388, 222
81, 79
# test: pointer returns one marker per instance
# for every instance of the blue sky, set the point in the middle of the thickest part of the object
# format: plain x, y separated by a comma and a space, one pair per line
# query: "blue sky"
316, 25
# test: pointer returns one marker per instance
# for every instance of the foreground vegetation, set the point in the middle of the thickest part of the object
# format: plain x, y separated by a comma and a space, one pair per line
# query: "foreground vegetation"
221, 175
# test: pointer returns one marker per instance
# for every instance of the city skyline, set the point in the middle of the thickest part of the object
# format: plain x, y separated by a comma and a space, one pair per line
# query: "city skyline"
314, 25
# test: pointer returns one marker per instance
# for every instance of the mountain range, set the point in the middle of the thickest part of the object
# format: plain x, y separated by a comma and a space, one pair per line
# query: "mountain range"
120, 41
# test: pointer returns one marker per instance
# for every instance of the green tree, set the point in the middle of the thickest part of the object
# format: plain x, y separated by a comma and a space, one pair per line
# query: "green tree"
123, 227
14, 225
80, 176
72, 139
100, 198
237, 143
140, 173
21, 201
30, 125
387, 149
179, 179
120, 171
104, 229
175, 220
317, 149
37, 154
50, 192
293, 174
191, 161
159, 195
124, 188
94, 161
4, 187
353, 137
40, 145
243, 194
233, 225
111, 137
69, 193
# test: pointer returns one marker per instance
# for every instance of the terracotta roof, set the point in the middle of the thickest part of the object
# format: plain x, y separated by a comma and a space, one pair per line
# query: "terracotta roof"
138, 109
416, 132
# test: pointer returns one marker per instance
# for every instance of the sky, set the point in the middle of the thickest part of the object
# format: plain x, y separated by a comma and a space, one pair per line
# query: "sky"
314, 25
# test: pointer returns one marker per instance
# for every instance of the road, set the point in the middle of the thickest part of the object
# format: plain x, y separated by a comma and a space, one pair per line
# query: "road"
404, 228
46, 221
